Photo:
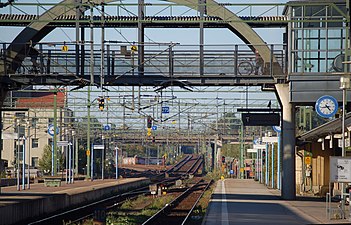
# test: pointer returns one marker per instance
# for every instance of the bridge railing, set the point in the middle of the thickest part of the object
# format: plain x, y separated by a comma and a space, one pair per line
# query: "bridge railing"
168, 60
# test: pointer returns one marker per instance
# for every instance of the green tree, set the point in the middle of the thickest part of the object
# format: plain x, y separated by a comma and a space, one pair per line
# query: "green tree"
231, 150
45, 160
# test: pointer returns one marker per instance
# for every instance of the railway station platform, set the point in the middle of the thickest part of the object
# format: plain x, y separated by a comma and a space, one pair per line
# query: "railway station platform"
17, 206
248, 202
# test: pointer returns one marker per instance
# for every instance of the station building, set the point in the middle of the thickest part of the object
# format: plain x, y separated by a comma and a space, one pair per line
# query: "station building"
31, 122
316, 40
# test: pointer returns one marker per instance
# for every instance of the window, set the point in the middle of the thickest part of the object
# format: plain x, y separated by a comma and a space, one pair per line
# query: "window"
35, 142
51, 121
20, 114
35, 161
50, 141
20, 130
34, 122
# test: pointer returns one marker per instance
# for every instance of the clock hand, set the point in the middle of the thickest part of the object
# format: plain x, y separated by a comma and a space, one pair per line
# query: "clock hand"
327, 106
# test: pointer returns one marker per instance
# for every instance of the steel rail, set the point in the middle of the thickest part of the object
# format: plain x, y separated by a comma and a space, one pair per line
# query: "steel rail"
198, 199
168, 207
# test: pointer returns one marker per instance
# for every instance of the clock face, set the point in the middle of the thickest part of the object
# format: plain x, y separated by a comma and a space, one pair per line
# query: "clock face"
326, 106
277, 129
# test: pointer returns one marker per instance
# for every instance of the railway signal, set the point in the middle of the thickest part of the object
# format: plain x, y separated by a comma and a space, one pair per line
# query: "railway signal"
149, 122
101, 104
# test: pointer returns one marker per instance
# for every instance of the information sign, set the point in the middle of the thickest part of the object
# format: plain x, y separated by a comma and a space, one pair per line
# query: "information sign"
308, 160
99, 146
107, 127
165, 109
64, 48
340, 169
269, 139
62, 143
51, 130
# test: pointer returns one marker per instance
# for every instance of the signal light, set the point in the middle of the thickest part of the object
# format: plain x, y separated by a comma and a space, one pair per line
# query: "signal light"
101, 104
263, 157
149, 122
153, 139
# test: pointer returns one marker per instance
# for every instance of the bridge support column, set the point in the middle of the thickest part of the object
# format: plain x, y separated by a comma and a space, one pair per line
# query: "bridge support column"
288, 190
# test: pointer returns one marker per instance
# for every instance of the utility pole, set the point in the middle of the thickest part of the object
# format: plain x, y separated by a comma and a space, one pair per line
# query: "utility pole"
201, 60
241, 150
54, 148
89, 89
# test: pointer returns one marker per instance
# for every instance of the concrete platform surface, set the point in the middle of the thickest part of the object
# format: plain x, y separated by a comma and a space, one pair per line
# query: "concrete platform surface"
39, 200
247, 202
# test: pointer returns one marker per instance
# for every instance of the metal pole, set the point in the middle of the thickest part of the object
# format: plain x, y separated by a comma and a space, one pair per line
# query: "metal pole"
102, 158
266, 166
73, 160
23, 163
69, 162
215, 145
92, 162
141, 15
52, 159
343, 141
89, 88
77, 37
278, 162
28, 136
272, 165
17, 157
241, 150
76, 142
116, 163
257, 165
102, 61
201, 58
54, 150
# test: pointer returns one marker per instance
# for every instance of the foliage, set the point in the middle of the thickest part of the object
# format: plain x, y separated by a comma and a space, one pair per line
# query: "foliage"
214, 175
231, 150
134, 149
45, 160
307, 119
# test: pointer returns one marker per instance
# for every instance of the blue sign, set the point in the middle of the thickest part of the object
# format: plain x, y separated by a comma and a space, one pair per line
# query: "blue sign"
154, 128
51, 130
165, 109
277, 129
107, 127
231, 171
256, 141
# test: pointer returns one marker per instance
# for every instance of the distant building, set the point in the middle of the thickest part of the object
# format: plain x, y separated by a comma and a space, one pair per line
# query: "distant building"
35, 114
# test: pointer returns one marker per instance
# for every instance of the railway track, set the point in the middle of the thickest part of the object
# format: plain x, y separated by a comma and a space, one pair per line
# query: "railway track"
180, 209
79, 214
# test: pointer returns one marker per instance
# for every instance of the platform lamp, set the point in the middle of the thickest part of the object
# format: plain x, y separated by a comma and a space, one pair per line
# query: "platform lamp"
75, 154
29, 125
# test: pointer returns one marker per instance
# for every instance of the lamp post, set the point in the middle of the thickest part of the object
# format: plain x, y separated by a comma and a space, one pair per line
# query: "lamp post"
116, 162
75, 156
23, 162
103, 157
29, 159
344, 85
